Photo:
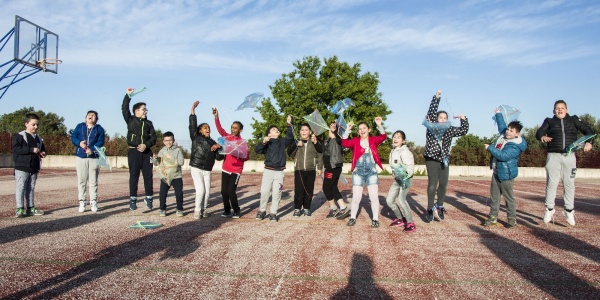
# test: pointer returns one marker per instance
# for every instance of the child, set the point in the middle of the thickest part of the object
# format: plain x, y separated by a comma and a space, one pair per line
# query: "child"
204, 153
273, 147
86, 137
232, 168
140, 138
437, 152
364, 159
169, 162
28, 151
307, 165
403, 166
559, 132
333, 161
505, 157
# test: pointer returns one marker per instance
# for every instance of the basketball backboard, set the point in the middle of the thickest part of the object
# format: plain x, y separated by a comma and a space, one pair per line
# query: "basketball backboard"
35, 44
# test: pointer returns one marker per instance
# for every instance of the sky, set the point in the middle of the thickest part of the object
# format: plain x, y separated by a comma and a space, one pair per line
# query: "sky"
481, 54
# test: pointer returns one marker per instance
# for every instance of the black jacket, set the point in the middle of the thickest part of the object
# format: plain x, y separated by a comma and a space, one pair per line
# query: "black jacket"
562, 131
22, 148
139, 131
274, 150
202, 158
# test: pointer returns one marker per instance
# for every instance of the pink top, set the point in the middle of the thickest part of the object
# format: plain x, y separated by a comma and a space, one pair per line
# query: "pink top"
358, 151
231, 164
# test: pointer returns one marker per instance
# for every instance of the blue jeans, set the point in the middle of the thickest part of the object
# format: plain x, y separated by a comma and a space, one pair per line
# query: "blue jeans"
365, 171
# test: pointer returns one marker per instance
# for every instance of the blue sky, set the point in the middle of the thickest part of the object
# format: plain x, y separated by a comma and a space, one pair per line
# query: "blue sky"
481, 54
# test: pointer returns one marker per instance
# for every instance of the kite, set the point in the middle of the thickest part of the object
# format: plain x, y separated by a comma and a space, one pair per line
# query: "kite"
509, 113
145, 225
438, 129
237, 148
167, 168
316, 122
102, 159
579, 143
137, 92
341, 106
400, 174
341, 125
250, 101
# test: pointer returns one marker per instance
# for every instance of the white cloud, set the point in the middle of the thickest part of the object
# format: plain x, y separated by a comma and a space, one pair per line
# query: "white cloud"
258, 34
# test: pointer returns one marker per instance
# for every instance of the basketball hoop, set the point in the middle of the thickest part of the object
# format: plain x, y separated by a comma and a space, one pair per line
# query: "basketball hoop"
47, 61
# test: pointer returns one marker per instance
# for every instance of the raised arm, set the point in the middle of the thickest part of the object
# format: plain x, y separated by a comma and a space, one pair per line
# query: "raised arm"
220, 129
433, 107
125, 105
193, 126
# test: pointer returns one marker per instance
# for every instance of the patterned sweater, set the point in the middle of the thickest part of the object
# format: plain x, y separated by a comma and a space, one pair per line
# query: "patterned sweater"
438, 150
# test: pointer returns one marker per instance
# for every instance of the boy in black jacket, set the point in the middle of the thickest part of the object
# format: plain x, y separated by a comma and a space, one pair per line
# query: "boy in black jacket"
559, 132
273, 147
28, 151
140, 138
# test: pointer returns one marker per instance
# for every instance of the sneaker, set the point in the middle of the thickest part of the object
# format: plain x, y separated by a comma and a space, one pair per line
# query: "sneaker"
343, 213
441, 212
261, 215
307, 212
179, 213
81, 206
512, 222
438, 213
148, 201
34, 212
398, 222
132, 203
374, 224
351, 222
570, 217
548, 215
162, 213
226, 214
19, 213
429, 216
205, 214
332, 213
410, 227
491, 221
273, 218
297, 213
236, 215
94, 206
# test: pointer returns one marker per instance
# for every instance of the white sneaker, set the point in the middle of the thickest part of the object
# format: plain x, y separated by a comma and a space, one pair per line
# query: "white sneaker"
570, 217
548, 214
81, 206
94, 205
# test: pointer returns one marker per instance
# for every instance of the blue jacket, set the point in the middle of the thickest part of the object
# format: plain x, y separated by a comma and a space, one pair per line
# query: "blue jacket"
504, 162
95, 138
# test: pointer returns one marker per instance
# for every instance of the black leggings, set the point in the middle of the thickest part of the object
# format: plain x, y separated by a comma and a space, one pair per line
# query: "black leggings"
229, 183
304, 186
437, 173
330, 183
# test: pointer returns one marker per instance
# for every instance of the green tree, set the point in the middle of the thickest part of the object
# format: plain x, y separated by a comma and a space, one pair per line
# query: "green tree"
470, 141
50, 123
529, 135
316, 85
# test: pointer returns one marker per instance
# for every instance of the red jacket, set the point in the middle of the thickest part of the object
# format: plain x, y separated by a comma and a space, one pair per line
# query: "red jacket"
358, 151
231, 163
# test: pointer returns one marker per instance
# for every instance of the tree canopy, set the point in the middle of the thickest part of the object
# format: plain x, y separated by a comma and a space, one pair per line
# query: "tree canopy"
50, 123
316, 84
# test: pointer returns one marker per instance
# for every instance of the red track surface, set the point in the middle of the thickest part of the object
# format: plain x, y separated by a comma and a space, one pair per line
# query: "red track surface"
66, 254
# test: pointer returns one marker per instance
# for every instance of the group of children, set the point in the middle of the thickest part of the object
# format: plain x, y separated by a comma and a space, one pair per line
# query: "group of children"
312, 158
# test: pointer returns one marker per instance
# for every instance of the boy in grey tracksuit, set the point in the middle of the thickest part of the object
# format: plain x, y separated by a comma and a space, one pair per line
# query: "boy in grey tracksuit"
273, 147
559, 132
